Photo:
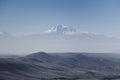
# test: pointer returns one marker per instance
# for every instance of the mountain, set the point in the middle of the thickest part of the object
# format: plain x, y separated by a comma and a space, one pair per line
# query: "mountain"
41, 56
38, 55
58, 66
61, 29
59, 38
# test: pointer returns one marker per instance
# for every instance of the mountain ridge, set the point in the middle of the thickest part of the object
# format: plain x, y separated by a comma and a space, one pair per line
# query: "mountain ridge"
57, 66
60, 39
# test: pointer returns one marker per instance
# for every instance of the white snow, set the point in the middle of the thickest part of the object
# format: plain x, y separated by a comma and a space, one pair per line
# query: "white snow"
61, 29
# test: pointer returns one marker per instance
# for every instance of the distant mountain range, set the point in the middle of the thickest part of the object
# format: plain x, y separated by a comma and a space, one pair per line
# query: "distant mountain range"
59, 66
59, 39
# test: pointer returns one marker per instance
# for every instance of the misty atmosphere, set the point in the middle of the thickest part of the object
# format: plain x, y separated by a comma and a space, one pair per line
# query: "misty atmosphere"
59, 40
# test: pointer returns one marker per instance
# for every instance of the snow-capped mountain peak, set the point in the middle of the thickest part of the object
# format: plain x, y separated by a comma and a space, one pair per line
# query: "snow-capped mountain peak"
61, 29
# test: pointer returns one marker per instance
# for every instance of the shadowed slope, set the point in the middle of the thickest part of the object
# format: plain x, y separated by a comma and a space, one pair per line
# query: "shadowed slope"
68, 66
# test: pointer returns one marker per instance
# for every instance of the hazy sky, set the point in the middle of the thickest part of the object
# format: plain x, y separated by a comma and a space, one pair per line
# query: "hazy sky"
21, 17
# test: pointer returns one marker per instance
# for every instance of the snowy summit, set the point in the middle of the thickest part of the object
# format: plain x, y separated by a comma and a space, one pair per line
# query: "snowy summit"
61, 29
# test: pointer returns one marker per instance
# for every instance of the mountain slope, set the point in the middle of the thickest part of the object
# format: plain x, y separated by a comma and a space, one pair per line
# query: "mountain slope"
71, 66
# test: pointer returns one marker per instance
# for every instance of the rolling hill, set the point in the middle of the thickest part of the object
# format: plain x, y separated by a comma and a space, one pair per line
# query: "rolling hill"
58, 66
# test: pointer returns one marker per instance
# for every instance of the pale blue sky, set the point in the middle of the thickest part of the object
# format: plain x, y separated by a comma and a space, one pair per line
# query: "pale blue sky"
21, 17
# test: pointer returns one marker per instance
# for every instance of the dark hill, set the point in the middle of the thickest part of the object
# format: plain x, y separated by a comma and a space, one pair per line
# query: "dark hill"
67, 66
38, 55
